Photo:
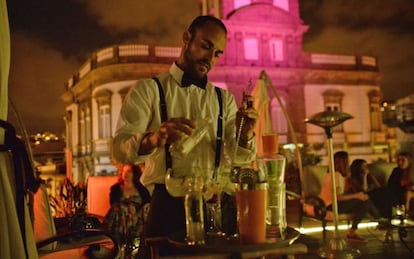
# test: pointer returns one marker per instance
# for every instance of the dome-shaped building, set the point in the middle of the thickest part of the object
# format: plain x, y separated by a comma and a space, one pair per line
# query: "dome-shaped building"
263, 35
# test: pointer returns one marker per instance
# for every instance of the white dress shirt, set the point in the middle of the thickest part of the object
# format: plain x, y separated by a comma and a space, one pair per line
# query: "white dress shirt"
140, 113
327, 188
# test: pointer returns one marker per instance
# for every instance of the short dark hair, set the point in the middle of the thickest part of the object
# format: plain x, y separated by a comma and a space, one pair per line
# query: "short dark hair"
405, 154
341, 162
199, 21
356, 167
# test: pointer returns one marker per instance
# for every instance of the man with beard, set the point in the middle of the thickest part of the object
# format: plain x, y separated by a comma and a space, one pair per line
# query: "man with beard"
158, 112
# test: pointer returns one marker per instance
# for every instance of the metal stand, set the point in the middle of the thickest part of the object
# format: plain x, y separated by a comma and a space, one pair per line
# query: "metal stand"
337, 247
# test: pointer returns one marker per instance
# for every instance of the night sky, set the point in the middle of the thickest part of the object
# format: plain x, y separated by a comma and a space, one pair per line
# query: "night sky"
51, 39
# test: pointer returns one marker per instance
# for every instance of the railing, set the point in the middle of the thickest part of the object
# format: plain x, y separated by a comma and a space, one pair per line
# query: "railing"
124, 54
164, 54
344, 60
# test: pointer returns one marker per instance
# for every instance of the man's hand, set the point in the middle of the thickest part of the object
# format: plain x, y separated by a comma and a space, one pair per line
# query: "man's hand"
250, 116
169, 132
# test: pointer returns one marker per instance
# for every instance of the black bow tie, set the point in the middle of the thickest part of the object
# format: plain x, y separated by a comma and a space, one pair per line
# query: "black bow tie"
200, 82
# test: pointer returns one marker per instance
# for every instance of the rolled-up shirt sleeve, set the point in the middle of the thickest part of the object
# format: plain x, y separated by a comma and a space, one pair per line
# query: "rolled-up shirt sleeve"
135, 120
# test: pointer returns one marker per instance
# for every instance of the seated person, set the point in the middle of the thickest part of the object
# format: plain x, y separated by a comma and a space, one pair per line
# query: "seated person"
361, 180
401, 181
357, 203
128, 197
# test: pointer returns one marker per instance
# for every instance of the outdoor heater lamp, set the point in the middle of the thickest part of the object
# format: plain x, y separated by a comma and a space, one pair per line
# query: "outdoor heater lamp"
337, 246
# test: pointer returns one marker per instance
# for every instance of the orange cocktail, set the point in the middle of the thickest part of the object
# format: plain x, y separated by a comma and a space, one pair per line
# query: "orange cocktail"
270, 143
251, 215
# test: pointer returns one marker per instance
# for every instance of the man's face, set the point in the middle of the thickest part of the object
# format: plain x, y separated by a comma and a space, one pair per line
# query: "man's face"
202, 49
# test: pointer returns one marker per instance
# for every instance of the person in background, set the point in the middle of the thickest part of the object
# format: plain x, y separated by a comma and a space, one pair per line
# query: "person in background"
128, 197
401, 180
357, 203
361, 180
146, 129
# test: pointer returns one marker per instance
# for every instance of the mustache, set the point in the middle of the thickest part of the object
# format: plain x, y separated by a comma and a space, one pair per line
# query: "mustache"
205, 62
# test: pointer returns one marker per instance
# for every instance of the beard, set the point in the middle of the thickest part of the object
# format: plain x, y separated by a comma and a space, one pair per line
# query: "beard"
196, 68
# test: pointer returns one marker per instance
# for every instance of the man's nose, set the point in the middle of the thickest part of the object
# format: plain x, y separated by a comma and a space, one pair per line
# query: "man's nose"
211, 55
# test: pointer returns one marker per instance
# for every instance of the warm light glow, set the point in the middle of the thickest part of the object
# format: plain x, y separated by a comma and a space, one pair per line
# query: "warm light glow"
240, 3
341, 227
283, 4
292, 146
251, 51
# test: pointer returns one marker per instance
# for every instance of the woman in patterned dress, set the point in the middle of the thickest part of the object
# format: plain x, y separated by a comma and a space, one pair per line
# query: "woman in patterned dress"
128, 198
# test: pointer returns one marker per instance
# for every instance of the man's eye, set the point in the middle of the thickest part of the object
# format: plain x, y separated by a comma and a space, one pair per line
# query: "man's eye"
206, 46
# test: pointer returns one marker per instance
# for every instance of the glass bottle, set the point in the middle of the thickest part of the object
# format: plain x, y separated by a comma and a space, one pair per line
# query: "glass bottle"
273, 167
194, 218
181, 148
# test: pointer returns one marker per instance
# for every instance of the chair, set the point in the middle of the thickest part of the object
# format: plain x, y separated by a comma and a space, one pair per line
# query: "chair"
67, 245
312, 206
98, 194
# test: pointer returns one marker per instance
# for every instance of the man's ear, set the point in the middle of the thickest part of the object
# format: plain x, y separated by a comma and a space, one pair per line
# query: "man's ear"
186, 37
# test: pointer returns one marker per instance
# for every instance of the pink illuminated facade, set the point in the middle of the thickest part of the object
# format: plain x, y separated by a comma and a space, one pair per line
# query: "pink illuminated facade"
262, 36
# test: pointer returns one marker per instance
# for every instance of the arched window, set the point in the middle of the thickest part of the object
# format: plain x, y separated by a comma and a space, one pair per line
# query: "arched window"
103, 99
82, 129
69, 138
251, 49
333, 102
88, 129
375, 111
276, 50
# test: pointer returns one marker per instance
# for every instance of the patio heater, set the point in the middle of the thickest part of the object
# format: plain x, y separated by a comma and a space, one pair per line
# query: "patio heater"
337, 247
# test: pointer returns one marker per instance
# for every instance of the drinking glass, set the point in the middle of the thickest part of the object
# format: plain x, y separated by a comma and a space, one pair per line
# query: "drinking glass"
176, 183
251, 202
177, 179
273, 167
213, 189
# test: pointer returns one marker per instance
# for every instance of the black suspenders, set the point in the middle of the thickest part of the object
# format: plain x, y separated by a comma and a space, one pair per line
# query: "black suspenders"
164, 117
219, 129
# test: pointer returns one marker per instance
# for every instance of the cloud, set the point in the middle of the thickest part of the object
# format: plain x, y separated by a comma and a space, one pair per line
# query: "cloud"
36, 83
152, 21
51, 39
394, 52
396, 15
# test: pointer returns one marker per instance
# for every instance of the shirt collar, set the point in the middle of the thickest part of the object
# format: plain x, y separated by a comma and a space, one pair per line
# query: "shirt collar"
184, 80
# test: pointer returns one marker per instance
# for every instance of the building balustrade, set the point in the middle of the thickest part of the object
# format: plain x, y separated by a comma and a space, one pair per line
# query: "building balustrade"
124, 54
132, 53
